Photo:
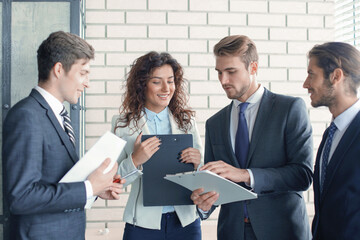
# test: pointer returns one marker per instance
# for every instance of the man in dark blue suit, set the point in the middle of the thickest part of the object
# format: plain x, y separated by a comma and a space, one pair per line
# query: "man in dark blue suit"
333, 80
265, 146
38, 149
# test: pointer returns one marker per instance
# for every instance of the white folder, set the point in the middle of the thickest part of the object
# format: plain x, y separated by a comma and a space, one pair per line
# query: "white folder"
108, 146
209, 181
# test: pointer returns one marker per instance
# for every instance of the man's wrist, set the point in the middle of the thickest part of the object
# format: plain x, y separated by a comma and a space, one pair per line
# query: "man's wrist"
246, 177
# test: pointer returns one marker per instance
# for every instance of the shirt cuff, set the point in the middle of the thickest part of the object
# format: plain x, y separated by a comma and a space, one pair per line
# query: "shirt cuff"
252, 180
205, 214
140, 167
89, 190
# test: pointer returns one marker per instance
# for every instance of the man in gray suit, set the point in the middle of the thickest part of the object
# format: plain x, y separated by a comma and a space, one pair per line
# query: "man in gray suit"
261, 141
39, 148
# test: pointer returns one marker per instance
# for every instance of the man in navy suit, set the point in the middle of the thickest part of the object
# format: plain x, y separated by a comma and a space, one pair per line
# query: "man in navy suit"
37, 150
275, 159
333, 80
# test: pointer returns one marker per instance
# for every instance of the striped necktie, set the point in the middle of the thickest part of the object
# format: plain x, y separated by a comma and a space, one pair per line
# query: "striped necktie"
67, 125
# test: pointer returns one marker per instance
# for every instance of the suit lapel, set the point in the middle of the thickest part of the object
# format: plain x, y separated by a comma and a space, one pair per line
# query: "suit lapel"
174, 127
263, 114
345, 143
316, 185
227, 139
144, 128
52, 118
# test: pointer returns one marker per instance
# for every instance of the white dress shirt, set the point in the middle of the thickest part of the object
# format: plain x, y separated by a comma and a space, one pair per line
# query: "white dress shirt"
250, 116
342, 122
56, 106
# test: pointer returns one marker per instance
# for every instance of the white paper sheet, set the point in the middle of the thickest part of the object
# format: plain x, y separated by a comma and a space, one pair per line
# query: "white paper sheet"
108, 146
209, 181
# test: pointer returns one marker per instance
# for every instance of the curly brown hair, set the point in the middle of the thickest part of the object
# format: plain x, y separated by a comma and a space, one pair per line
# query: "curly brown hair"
132, 108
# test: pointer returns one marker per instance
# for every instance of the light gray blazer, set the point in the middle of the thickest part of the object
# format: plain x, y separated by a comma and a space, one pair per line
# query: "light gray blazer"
135, 211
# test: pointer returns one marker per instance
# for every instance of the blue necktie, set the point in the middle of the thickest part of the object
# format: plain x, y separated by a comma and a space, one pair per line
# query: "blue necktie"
242, 137
326, 152
242, 142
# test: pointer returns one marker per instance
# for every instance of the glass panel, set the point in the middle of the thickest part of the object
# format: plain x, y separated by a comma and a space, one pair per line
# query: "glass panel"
28, 31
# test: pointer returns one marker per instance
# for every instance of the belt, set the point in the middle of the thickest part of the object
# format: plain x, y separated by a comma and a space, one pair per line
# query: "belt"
246, 220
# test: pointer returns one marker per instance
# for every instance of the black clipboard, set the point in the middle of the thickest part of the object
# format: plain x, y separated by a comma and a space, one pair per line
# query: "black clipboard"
157, 191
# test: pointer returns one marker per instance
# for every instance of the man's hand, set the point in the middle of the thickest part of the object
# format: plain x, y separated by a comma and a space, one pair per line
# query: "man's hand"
115, 189
101, 182
204, 201
228, 171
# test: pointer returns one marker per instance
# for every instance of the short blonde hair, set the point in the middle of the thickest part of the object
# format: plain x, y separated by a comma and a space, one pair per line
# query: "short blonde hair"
237, 45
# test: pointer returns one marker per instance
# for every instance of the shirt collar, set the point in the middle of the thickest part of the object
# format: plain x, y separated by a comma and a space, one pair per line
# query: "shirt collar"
254, 98
53, 102
345, 118
150, 115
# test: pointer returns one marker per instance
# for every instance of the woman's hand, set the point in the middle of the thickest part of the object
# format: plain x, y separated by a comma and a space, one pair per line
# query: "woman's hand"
144, 150
191, 155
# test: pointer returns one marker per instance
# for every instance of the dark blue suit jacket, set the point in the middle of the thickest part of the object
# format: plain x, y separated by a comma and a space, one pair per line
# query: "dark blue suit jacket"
337, 209
36, 155
280, 157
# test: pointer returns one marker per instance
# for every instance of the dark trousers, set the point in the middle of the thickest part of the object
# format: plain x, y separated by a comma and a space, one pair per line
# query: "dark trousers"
171, 229
249, 232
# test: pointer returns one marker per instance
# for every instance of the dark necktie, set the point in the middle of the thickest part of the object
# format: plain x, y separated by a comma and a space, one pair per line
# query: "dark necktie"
242, 143
67, 125
242, 137
326, 152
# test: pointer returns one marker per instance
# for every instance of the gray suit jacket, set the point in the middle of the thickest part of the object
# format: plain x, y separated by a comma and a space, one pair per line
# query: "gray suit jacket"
36, 154
280, 157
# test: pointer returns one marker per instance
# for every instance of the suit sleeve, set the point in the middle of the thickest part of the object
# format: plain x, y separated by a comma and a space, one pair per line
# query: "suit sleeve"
126, 164
27, 191
296, 173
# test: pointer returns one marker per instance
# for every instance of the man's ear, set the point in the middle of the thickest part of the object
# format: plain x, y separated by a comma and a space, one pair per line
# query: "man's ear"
336, 76
253, 67
57, 69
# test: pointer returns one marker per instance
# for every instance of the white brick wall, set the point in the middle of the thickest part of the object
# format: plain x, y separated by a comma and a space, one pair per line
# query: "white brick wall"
168, 5
288, 7
187, 18
122, 30
249, 6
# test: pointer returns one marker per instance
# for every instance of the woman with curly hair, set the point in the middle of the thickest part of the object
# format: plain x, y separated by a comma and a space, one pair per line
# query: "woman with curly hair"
155, 103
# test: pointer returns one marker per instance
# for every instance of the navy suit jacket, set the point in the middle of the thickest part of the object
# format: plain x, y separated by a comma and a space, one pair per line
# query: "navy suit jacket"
337, 209
280, 157
36, 155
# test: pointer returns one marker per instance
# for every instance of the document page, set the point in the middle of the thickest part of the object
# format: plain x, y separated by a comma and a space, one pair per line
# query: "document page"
209, 181
108, 146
